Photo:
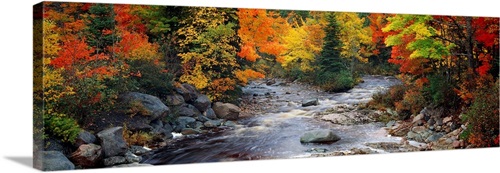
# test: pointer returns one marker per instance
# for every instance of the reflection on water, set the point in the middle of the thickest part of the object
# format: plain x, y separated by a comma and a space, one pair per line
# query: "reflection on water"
276, 134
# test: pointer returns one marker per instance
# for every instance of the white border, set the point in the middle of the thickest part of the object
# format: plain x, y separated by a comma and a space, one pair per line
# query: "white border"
16, 87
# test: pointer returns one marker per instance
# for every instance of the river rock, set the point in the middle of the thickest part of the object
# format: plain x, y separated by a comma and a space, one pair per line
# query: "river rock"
390, 123
213, 123
418, 118
87, 155
434, 137
55, 161
131, 157
188, 111
139, 150
230, 124
112, 142
310, 102
202, 103
226, 111
115, 160
84, 137
148, 105
209, 113
189, 131
168, 127
183, 122
319, 136
447, 119
187, 91
52, 144
174, 100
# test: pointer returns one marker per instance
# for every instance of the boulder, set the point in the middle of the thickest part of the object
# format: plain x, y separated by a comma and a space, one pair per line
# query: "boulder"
156, 124
310, 102
202, 103
319, 136
183, 122
390, 123
52, 144
213, 123
131, 157
55, 161
139, 150
84, 137
418, 118
115, 160
230, 124
174, 100
188, 111
112, 142
226, 110
168, 127
447, 119
202, 118
209, 113
135, 110
144, 104
87, 155
434, 137
189, 131
188, 92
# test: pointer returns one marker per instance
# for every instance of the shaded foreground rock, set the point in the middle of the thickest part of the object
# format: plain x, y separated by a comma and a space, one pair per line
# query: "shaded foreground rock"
112, 141
319, 136
226, 110
87, 155
55, 160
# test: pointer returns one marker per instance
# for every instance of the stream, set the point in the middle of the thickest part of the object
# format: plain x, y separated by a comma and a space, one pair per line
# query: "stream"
279, 121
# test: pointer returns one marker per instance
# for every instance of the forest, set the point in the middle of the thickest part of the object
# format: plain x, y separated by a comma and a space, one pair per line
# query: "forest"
92, 53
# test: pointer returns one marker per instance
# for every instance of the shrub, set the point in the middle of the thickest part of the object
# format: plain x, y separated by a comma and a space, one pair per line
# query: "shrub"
413, 101
149, 77
335, 81
440, 92
62, 127
388, 98
136, 138
483, 118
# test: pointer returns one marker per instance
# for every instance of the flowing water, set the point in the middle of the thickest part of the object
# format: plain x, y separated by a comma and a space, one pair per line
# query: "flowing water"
275, 131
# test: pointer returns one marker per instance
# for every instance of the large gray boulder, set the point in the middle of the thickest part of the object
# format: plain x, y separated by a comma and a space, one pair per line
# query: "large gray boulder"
174, 100
226, 111
202, 103
310, 102
135, 110
87, 155
187, 91
84, 137
112, 142
319, 136
145, 105
55, 161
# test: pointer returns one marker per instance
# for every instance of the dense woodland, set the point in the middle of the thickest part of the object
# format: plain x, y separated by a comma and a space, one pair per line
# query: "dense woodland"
94, 52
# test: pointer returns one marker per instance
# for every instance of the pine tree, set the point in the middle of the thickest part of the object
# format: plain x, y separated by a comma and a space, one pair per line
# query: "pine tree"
330, 59
101, 25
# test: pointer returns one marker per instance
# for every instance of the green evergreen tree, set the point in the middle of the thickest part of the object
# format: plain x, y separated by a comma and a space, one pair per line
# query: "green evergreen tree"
330, 60
101, 26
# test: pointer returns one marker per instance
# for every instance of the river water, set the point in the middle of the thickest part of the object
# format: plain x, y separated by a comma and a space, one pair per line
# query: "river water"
280, 120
